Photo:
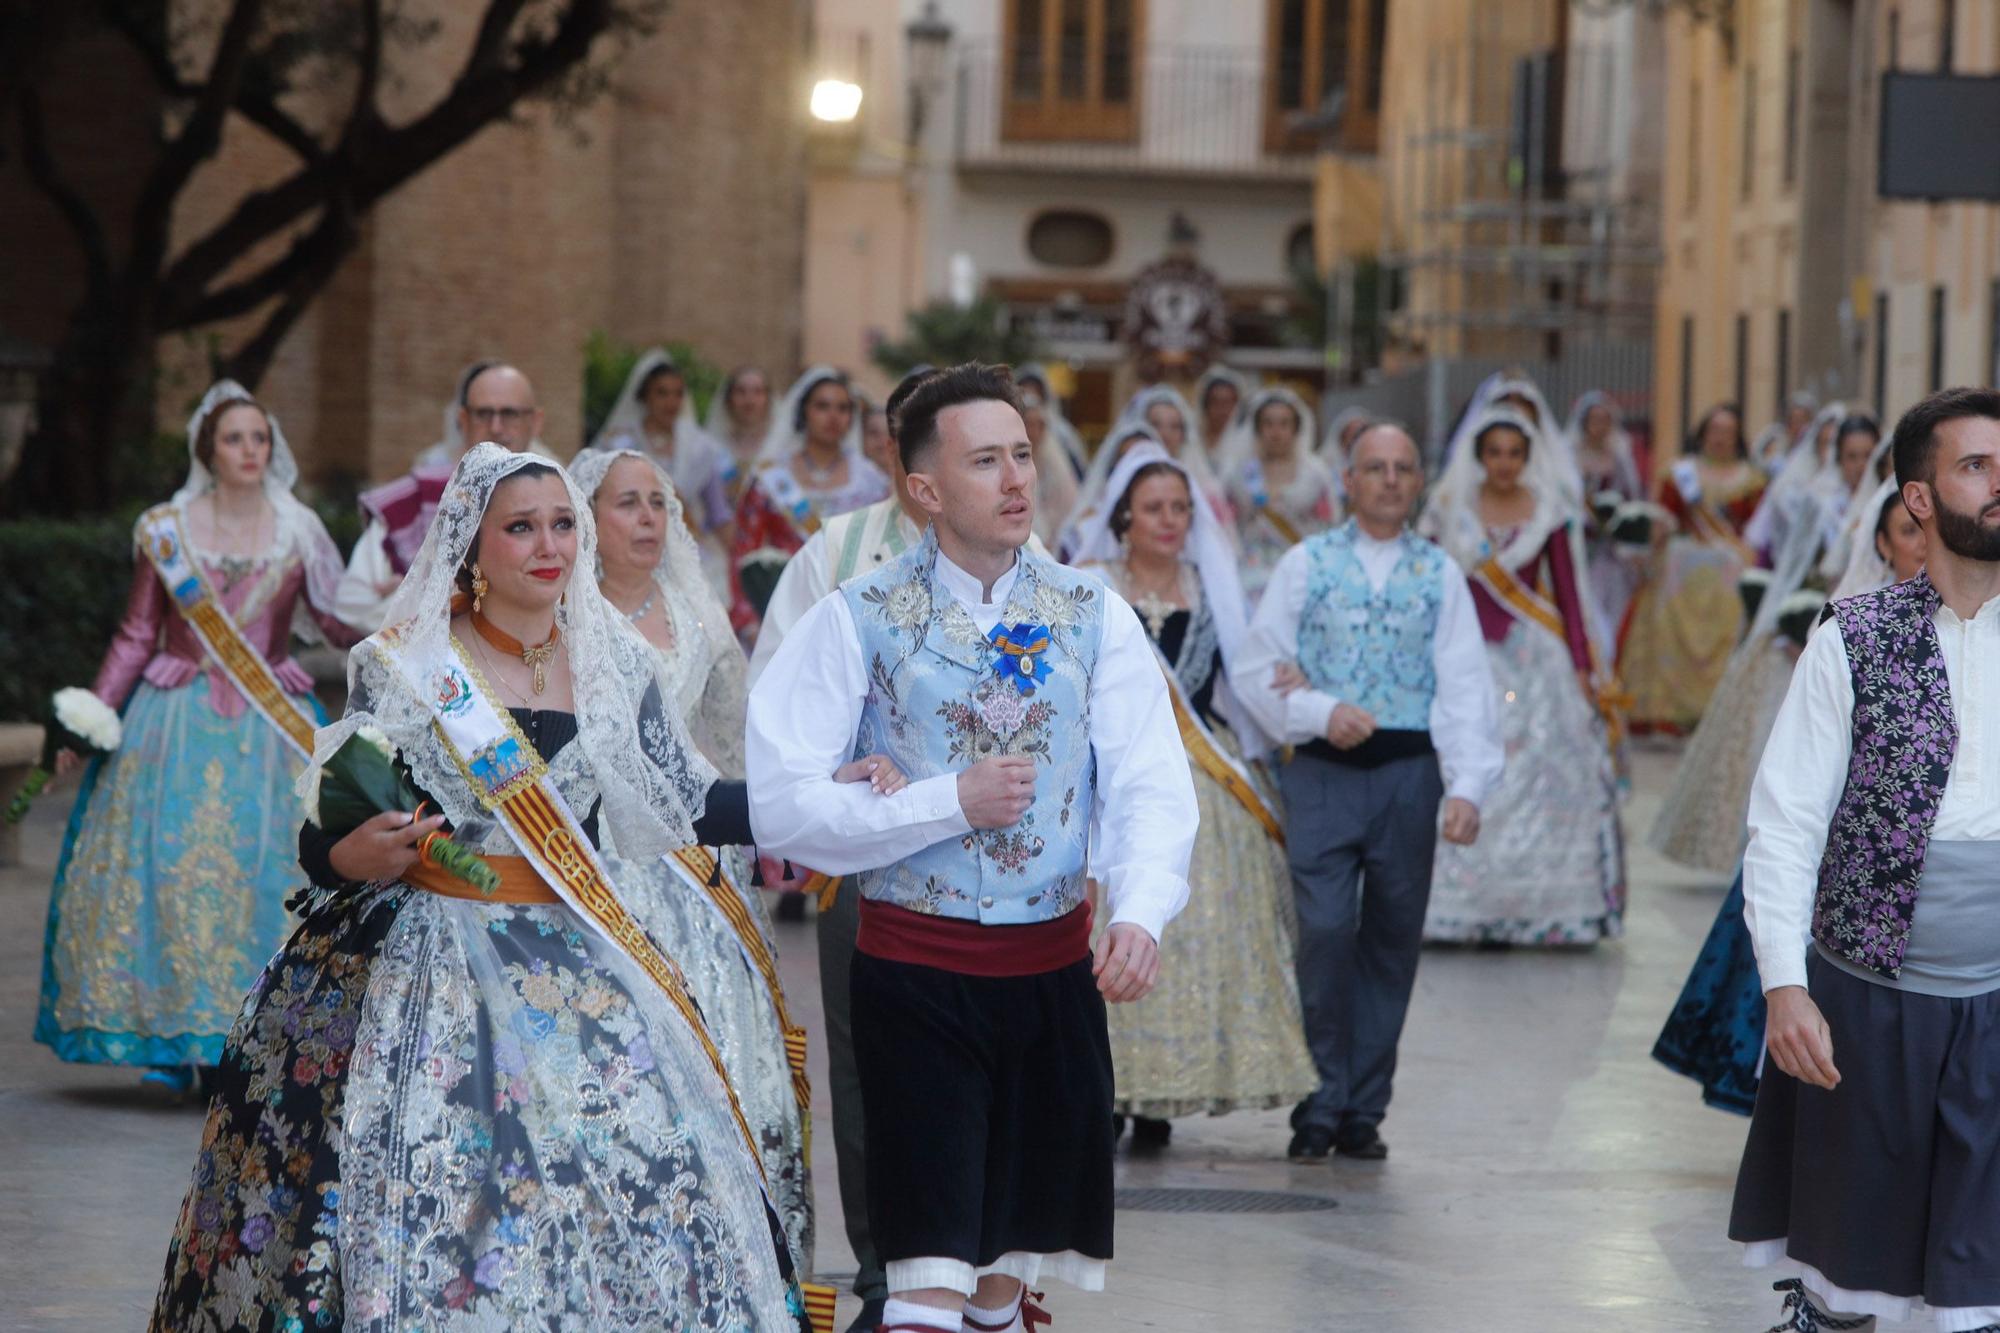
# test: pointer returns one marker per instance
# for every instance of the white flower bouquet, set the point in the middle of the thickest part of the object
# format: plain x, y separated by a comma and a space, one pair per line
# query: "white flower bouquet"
1798, 614
1633, 522
78, 721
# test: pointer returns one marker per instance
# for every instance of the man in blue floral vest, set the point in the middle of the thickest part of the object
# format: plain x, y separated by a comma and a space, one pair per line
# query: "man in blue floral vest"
1872, 891
1024, 704
1365, 656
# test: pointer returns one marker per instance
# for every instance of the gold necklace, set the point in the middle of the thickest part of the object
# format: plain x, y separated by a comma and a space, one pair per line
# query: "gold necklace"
1152, 605
536, 655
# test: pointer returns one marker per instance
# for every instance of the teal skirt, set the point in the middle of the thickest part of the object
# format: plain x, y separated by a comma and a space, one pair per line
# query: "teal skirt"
170, 890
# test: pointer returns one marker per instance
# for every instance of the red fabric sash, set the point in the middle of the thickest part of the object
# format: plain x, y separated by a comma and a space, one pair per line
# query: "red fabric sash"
405, 507
970, 949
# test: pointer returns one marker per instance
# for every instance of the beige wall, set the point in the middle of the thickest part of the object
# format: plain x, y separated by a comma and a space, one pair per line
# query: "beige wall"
1448, 68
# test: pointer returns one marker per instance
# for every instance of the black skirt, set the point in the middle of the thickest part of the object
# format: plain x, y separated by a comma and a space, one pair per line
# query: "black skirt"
988, 1108
1890, 1182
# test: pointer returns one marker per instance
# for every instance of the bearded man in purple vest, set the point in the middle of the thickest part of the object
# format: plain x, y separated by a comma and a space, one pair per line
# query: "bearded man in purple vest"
1872, 892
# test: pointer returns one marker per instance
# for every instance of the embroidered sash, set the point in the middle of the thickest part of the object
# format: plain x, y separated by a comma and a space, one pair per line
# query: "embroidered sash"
703, 872
510, 778
789, 498
1529, 604
165, 543
1209, 756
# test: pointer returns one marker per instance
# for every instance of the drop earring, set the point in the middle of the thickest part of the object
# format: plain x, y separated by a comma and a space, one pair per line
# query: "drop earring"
479, 587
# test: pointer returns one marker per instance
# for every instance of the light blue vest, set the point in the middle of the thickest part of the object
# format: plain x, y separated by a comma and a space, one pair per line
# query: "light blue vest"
938, 703
1368, 648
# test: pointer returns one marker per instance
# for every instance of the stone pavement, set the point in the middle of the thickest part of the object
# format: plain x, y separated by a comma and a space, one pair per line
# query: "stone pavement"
1545, 1175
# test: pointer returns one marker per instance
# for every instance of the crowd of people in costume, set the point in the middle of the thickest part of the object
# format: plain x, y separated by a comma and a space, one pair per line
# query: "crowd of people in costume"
1158, 763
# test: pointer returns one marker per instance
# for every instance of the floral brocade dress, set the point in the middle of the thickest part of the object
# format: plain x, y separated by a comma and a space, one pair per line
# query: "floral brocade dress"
180, 851
774, 519
1549, 865
445, 1113
1221, 1031
1688, 615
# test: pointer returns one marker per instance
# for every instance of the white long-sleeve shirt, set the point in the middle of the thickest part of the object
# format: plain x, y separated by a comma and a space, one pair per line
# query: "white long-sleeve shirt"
1804, 771
1464, 722
807, 706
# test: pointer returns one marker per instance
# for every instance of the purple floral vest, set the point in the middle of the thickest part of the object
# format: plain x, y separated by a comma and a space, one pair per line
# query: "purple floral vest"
1904, 738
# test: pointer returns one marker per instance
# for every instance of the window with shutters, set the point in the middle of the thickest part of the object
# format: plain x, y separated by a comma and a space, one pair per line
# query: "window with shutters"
1072, 70
1316, 50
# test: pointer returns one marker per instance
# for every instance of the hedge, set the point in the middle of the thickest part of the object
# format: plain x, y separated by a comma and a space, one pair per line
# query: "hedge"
63, 586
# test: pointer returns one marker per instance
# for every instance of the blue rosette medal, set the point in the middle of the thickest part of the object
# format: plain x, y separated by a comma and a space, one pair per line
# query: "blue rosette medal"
1023, 655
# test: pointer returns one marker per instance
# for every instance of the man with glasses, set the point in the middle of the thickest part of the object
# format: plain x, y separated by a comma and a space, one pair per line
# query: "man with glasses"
1365, 656
494, 402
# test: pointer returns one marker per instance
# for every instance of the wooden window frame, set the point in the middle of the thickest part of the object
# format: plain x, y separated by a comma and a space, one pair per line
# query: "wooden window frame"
1360, 124
1051, 118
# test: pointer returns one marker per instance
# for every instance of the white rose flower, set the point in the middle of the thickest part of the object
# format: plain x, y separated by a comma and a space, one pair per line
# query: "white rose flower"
83, 714
374, 736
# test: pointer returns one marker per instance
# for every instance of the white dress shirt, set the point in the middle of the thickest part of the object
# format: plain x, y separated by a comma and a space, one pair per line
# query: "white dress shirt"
807, 706
1804, 771
1465, 720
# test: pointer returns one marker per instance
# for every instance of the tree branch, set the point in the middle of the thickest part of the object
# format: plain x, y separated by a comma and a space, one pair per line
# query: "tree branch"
361, 115
152, 216
379, 160
334, 236
489, 47
69, 201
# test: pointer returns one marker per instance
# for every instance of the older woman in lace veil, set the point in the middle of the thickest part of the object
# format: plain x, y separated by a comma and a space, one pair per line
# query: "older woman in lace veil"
1222, 1032
503, 1109
722, 936
170, 888
1279, 490
1549, 866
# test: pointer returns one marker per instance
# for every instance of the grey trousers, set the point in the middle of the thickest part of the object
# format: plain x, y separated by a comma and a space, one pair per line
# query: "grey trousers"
1361, 841
837, 928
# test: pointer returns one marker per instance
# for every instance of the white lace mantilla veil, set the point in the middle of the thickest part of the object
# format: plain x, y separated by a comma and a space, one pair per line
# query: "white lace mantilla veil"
1213, 558
1221, 374
1060, 426
1239, 445
705, 674
652, 780
1089, 501
1451, 515
1623, 455
628, 414
1193, 451
1866, 570
297, 529
1858, 521
784, 437
1332, 452
1790, 494
718, 422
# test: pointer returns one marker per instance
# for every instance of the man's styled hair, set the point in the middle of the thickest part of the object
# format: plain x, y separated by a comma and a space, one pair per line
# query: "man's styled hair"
901, 394
1915, 443
916, 427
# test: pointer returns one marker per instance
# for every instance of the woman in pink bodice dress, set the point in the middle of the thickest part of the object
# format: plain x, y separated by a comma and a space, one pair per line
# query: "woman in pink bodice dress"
181, 850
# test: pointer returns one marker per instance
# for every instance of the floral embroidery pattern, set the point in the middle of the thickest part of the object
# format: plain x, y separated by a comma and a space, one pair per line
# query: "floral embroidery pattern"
1905, 737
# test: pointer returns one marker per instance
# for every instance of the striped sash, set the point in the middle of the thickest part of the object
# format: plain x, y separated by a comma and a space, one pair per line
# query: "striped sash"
703, 871
163, 539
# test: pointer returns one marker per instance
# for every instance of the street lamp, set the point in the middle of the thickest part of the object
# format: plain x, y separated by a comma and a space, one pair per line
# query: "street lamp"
836, 101
928, 38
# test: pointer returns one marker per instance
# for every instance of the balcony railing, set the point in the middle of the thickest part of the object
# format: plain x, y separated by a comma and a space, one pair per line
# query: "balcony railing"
1185, 110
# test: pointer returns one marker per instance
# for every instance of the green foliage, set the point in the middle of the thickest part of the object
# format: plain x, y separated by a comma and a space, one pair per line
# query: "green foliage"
943, 334
607, 361
62, 591
1308, 328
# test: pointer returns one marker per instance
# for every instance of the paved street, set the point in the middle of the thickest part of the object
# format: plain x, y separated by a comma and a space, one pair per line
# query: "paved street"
1546, 1175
